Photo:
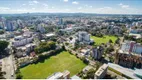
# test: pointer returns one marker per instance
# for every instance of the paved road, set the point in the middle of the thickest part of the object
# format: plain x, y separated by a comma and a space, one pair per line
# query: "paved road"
8, 67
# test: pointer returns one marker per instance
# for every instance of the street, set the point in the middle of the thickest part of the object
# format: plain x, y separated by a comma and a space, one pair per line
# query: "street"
8, 66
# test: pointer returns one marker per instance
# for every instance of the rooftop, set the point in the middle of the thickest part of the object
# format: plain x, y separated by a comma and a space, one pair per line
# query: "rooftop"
50, 34
56, 75
101, 69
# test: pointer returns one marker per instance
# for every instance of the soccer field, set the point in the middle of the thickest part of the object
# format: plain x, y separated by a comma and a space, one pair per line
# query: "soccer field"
105, 39
60, 62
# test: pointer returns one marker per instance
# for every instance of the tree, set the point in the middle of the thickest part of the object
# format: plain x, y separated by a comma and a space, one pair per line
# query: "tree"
90, 74
110, 41
2, 74
110, 49
19, 76
71, 38
3, 46
117, 41
45, 46
1, 32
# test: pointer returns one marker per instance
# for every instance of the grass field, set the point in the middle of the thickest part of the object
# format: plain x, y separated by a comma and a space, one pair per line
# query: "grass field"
105, 39
60, 62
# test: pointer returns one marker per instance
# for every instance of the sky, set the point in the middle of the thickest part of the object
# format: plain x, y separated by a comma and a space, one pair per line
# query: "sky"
71, 6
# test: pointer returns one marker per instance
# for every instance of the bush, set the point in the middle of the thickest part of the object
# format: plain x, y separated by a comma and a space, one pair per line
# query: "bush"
19, 76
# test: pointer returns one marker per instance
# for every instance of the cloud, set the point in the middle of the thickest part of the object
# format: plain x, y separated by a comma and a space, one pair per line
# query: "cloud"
90, 6
33, 8
79, 8
35, 2
65, 0
4, 8
45, 5
105, 8
75, 2
23, 4
124, 6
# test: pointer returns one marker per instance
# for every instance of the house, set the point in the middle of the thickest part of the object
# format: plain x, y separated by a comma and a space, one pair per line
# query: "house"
101, 72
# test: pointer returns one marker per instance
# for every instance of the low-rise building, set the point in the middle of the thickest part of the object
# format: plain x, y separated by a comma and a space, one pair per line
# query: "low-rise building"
60, 75
101, 72
24, 50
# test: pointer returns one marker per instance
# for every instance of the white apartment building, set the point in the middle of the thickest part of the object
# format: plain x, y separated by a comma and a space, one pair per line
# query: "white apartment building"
131, 47
22, 41
84, 37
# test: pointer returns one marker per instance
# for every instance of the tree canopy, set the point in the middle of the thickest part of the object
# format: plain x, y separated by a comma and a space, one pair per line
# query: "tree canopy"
45, 46
3, 46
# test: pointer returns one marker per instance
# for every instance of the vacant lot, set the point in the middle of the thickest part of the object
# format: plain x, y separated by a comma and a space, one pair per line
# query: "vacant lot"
60, 62
105, 39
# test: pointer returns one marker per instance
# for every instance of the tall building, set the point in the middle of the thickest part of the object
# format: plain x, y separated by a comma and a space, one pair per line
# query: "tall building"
130, 55
97, 52
131, 47
9, 25
83, 37
60, 21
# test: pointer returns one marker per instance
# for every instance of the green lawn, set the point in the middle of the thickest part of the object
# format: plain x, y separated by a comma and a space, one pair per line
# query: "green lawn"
62, 61
105, 39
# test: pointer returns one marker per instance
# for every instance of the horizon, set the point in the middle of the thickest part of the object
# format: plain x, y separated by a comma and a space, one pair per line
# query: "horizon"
71, 6
62, 13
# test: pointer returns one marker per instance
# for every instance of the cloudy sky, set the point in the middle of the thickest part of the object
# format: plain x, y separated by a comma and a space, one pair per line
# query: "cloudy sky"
72, 6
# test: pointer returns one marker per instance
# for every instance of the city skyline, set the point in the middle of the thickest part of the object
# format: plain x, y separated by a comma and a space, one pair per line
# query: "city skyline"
71, 6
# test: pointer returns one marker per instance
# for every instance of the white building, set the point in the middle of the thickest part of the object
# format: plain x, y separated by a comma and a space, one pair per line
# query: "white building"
101, 72
60, 75
83, 37
40, 28
22, 41
131, 47
24, 50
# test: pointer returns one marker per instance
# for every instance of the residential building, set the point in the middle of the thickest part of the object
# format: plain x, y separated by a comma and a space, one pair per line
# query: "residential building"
130, 55
131, 47
24, 50
22, 41
83, 37
97, 52
101, 72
